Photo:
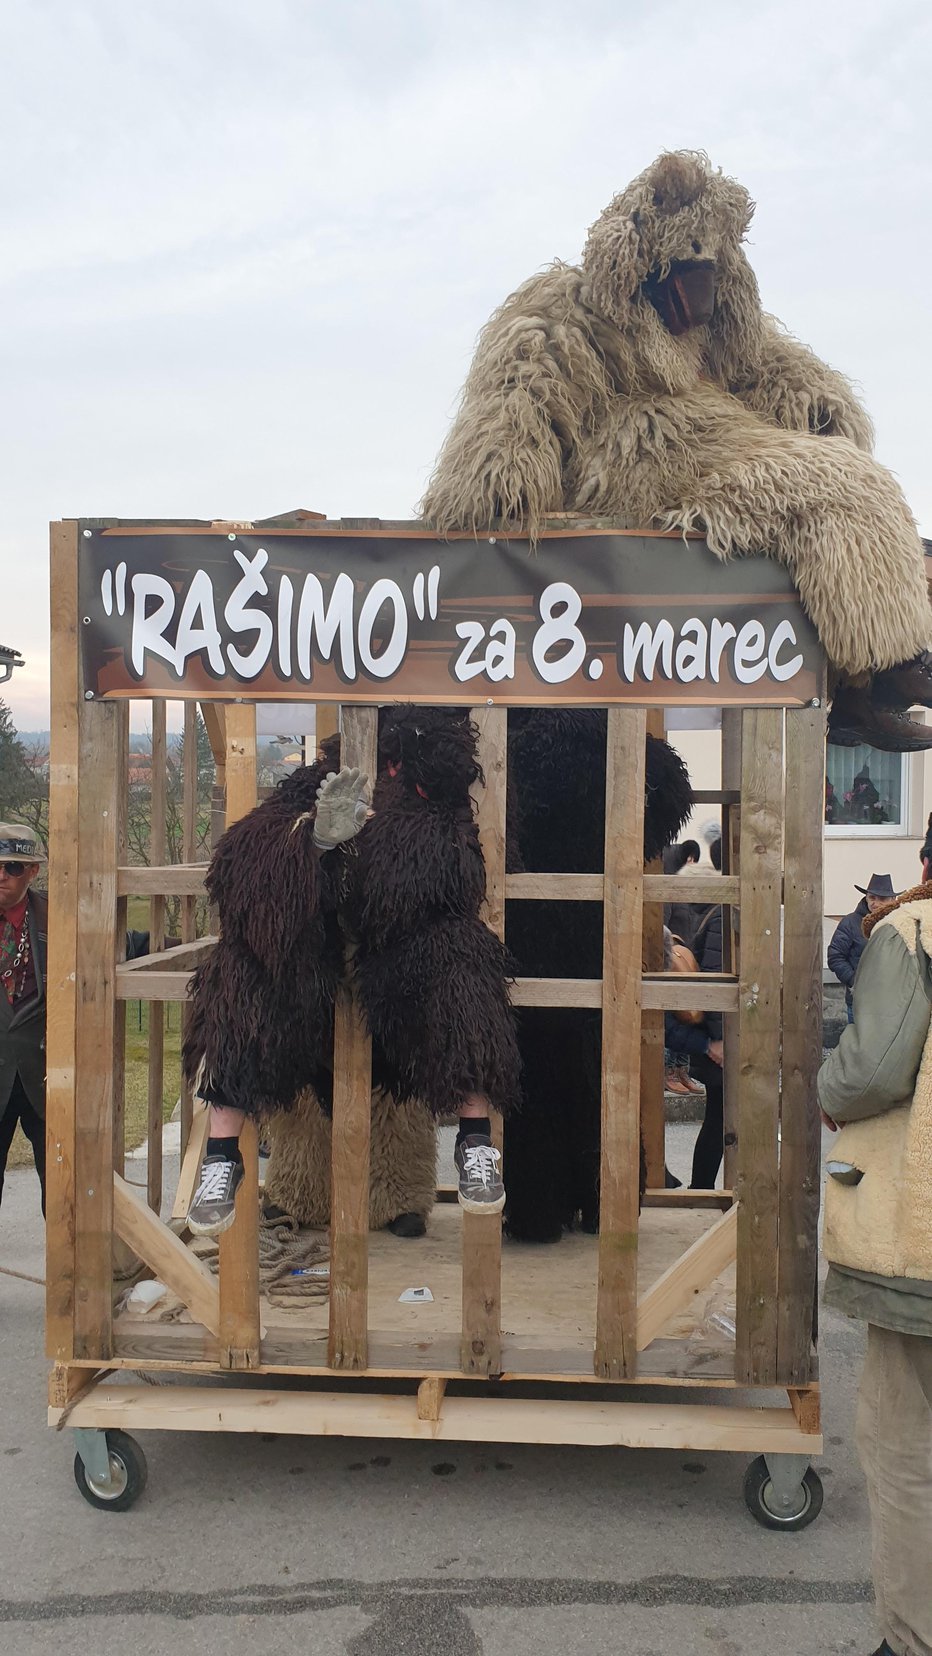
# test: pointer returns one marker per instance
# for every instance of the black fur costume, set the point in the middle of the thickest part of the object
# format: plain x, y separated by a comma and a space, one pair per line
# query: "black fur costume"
557, 825
429, 975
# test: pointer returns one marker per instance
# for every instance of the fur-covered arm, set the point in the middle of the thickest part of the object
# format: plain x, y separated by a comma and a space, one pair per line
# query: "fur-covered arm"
520, 412
796, 390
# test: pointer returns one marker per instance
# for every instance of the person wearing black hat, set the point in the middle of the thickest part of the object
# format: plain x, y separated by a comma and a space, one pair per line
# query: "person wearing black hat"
847, 945
23, 943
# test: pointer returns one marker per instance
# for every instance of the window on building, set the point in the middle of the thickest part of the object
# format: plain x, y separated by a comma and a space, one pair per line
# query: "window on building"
865, 791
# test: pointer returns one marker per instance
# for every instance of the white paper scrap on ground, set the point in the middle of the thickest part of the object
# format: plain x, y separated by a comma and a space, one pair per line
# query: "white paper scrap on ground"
415, 1296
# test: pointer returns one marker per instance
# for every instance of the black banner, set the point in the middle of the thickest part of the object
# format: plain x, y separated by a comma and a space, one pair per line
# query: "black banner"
592, 616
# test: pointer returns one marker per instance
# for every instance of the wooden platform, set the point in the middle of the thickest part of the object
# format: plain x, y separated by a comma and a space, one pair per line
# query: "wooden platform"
549, 1288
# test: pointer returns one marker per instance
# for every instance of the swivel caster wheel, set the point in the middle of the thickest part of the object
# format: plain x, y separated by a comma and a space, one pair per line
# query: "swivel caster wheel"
109, 1469
783, 1492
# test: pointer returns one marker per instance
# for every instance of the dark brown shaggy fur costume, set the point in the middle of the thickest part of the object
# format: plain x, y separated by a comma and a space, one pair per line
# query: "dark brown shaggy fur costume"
430, 976
557, 770
262, 1003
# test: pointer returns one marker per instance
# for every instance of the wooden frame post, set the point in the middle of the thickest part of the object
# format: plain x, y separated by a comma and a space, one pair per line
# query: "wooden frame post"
802, 1043
61, 985
653, 1125
616, 1316
757, 1185
188, 904
481, 1344
157, 855
731, 830
100, 747
352, 1124
239, 1246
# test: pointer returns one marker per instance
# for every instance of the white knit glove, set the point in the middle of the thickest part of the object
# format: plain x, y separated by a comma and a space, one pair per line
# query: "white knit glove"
342, 808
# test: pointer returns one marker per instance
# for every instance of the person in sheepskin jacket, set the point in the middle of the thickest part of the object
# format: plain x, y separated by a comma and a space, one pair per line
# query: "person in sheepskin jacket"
877, 1087
647, 382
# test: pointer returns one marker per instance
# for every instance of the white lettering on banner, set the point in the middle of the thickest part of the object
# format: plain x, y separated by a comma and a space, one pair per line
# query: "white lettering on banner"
197, 626
366, 631
240, 619
648, 643
149, 625
383, 592
558, 628
313, 618
783, 633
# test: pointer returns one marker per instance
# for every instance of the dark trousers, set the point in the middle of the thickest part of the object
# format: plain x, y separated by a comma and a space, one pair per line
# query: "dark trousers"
19, 1110
710, 1145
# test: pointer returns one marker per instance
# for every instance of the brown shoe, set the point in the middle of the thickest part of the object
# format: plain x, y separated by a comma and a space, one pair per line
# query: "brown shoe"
690, 1082
908, 685
672, 1083
855, 718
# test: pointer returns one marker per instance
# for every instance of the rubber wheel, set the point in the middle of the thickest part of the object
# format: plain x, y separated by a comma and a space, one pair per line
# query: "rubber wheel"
758, 1493
128, 1472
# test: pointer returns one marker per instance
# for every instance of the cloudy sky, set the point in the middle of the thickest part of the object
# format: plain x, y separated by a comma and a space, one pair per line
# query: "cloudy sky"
247, 248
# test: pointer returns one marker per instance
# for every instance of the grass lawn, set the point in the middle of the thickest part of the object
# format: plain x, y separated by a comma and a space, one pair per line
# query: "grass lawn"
137, 1076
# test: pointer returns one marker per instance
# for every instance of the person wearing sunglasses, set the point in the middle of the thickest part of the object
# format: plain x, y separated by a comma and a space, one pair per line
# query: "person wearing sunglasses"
23, 946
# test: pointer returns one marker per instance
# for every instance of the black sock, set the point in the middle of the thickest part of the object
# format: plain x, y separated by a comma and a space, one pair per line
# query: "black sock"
480, 1125
226, 1147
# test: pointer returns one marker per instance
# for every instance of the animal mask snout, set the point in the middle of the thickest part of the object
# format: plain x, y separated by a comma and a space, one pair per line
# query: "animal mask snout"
685, 298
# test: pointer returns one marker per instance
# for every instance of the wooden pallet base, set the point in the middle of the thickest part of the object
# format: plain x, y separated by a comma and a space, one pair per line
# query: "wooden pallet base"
439, 1417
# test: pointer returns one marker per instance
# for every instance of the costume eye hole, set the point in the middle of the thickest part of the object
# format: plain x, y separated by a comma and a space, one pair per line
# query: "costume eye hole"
636, 219
697, 247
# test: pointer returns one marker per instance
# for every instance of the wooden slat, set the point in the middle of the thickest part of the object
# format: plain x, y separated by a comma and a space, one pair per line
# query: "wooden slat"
214, 717
63, 939
188, 902
756, 1185
680, 1199
696, 1426
165, 1254
710, 992
152, 986
527, 991
690, 888
806, 1404
239, 1246
713, 993
156, 1042
616, 1317
98, 828
352, 1117
653, 1123
191, 1158
482, 1233
802, 1041
430, 1397
731, 1073
698, 1268
725, 795
120, 924
173, 880
658, 888
188, 955
564, 888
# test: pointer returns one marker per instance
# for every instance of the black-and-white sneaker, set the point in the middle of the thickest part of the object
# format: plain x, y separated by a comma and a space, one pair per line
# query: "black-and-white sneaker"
213, 1207
480, 1183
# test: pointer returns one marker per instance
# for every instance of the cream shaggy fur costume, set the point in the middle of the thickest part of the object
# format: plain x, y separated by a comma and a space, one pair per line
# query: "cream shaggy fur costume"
580, 399
403, 1156
884, 1224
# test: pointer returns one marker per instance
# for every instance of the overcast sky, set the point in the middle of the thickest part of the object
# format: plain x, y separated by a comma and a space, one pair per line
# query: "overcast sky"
247, 247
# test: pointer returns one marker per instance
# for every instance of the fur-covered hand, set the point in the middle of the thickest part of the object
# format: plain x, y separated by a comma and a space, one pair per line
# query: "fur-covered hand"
342, 808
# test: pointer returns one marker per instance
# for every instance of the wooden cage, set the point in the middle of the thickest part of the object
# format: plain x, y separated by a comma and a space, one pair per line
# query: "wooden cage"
510, 1328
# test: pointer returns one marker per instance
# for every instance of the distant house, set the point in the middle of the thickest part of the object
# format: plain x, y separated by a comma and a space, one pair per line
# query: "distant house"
9, 658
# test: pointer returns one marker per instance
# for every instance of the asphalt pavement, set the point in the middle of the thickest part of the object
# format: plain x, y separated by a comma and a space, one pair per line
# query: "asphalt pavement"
333, 1547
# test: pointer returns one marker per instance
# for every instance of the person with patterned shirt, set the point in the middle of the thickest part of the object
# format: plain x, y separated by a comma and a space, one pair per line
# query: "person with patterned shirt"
23, 950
